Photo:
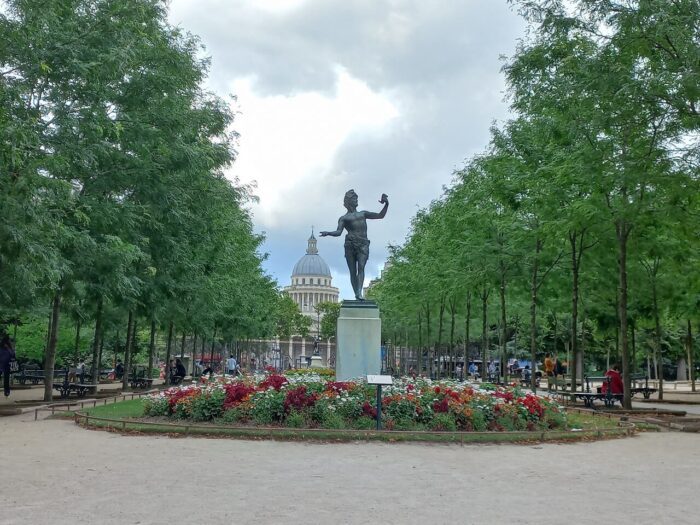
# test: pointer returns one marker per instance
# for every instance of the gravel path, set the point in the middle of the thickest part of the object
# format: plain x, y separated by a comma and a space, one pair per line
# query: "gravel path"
63, 474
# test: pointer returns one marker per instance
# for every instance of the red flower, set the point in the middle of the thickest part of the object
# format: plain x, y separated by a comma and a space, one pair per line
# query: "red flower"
235, 393
436, 389
275, 381
369, 410
441, 406
339, 386
410, 387
298, 398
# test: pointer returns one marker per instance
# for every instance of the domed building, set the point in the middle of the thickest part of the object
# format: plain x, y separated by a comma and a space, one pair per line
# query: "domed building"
312, 283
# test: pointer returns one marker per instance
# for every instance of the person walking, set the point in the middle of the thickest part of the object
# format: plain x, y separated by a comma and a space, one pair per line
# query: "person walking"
231, 365
7, 355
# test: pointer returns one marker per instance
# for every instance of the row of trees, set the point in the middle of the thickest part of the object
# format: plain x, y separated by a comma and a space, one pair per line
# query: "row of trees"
115, 210
585, 203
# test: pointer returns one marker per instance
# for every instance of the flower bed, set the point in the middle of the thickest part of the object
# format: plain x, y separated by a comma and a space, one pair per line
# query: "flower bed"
311, 401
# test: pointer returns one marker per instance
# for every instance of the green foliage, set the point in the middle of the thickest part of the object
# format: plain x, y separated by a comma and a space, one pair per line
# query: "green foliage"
268, 407
207, 407
443, 422
295, 419
155, 406
329, 322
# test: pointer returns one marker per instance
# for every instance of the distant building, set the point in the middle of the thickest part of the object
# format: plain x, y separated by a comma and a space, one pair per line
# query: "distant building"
312, 284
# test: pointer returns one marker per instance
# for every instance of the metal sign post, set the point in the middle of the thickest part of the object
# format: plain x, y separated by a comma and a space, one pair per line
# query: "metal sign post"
379, 381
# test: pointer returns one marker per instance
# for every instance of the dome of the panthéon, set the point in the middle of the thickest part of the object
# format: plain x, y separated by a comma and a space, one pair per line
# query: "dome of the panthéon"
311, 263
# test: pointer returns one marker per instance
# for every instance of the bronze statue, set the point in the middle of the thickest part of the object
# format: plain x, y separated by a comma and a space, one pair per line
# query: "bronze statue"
356, 241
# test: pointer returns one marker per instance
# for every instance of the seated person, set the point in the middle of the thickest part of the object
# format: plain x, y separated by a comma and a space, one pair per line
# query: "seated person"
119, 370
526, 373
615, 382
178, 373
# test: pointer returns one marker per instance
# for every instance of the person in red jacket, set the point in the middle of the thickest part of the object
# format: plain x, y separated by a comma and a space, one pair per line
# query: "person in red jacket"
616, 386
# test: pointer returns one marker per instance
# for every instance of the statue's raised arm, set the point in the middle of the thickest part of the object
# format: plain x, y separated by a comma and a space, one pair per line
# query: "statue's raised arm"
356, 241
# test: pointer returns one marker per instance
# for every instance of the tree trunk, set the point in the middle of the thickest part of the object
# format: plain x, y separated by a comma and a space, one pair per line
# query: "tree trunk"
575, 260
533, 318
431, 364
582, 353
484, 333
96, 343
213, 344
438, 347
194, 355
151, 348
623, 233
420, 343
77, 342
657, 338
453, 307
168, 348
466, 331
99, 355
127, 350
504, 326
691, 357
50, 357
633, 324
182, 345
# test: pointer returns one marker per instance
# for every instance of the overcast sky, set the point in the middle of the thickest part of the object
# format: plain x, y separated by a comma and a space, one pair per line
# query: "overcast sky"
383, 96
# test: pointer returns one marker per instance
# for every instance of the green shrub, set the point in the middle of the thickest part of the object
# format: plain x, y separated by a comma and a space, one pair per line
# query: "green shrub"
478, 421
443, 422
234, 415
402, 409
333, 420
268, 407
554, 418
157, 406
207, 406
364, 423
295, 419
406, 424
320, 411
351, 409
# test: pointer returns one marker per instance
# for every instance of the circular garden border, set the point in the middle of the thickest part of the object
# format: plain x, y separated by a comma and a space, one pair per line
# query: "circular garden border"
320, 434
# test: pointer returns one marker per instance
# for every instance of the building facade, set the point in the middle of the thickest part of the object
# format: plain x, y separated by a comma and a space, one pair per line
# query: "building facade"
312, 284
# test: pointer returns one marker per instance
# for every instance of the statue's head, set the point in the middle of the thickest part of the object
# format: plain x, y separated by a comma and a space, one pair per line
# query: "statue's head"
350, 200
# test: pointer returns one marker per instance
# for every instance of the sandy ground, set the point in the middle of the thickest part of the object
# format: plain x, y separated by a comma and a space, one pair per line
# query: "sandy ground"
54, 472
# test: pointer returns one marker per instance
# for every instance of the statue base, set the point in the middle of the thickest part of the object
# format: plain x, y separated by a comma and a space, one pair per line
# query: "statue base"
358, 343
316, 361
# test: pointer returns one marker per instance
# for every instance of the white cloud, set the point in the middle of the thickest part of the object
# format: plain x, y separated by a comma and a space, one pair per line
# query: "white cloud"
289, 142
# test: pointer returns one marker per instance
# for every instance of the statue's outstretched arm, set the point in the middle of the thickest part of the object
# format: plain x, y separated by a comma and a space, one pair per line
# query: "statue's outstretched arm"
337, 232
382, 213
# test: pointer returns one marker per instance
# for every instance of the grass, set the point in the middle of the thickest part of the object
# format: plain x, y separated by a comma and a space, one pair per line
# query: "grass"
590, 422
124, 409
590, 427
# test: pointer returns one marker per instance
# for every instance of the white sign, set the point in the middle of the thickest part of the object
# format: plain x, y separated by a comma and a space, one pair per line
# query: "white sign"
379, 380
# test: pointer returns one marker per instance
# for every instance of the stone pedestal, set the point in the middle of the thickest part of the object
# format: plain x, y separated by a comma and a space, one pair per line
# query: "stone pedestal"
358, 350
316, 361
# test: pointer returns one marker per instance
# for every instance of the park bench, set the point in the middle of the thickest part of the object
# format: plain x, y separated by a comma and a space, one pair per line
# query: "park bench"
140, 382
588, 397
34, 376
558, 383
644, 390
65, 388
